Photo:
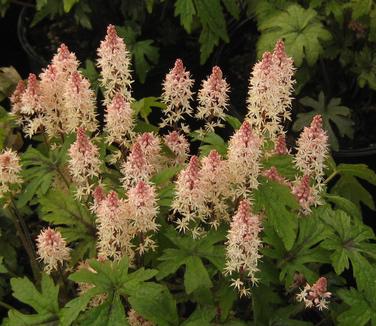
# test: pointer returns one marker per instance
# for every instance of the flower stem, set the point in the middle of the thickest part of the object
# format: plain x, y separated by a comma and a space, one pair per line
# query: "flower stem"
331, 177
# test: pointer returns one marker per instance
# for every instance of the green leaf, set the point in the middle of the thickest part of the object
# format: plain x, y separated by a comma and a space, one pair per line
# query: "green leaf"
233, 121
349, 241
145, 106
278, 203
359, 313
283, 163
306, 250
44, 302
365, 68
9, 78
190, 252
345, 204
301, 31
186, 10
361, 171
145, 56
202, 316
155, 303
213, 26
332, 113
196, 276
68, 4
165, 175
74, 307
232, 7
349, 187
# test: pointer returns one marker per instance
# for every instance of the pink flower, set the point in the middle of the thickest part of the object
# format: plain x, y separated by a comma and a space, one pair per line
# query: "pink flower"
273, 174
80, 102
30, 112
315, 296
305, 194
243, 159
119, 120
214, 186
188, 200
312, 150
84, 163
52, 249
243, 245
143, 210
143, 161
10, 171
280, 145
213, 100
16, 97
177, 94
114, 60
65, 61
114, 234
179, 145
270, 89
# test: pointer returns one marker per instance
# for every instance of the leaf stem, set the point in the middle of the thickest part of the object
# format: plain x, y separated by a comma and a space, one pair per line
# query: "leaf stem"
5, 305
24, 234
331, 177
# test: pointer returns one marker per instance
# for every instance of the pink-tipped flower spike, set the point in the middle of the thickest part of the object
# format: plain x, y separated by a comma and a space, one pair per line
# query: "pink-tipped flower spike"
79, 102
243, 245
140, 164
177, 94
273, 174
269, 95
65, 61
143, 210
280, 145
119, 121
305, 194
16, 97
214, 185
10, 170
84, 163
114, 232
213, 100
98, 196
315, 296
52, 249
32, 115
188, 201
243, 159
312, 150
179, 145
114, 61
54, 84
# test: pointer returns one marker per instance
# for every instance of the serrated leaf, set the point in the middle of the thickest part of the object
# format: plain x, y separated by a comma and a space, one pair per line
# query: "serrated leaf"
232, 7
349, 187
186, 10
68, 4
278, 204
214, 26
145, 56
301, 31
347, 242
196, 275
359, 312
331, 113
233, 121
44, 302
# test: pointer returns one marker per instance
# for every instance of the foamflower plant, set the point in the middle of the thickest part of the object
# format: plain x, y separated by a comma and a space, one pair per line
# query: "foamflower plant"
126, 222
